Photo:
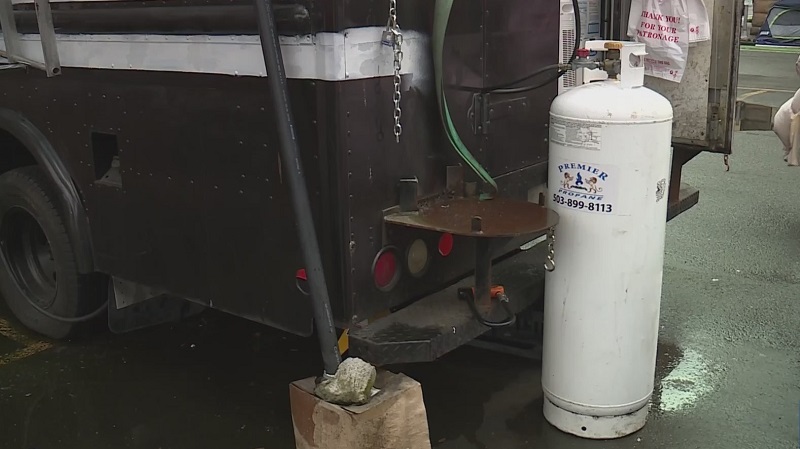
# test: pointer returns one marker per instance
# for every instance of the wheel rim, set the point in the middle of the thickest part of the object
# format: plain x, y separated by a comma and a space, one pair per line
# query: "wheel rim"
28, 256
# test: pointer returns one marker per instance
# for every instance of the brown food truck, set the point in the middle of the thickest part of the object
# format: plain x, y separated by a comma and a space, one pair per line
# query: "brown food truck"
307, 161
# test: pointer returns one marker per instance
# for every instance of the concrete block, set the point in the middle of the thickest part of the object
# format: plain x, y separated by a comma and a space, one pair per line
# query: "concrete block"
395, 418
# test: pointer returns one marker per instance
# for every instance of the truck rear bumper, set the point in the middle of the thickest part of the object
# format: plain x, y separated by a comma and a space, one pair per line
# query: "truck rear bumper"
439, 323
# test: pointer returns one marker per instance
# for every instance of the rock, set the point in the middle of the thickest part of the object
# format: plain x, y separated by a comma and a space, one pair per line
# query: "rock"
351, 385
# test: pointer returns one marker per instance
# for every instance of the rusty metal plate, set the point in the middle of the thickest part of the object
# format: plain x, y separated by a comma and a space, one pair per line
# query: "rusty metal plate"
499, 217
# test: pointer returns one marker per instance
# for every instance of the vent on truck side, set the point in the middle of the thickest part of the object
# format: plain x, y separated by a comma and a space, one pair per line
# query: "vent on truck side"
567, 80
105, 157
566, 44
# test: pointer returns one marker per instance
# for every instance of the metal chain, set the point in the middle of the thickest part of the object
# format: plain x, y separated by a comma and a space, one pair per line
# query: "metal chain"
550, 263
398, 58
394, 38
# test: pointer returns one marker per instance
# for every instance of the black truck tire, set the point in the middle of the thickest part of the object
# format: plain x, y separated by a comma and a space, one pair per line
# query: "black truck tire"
39, 278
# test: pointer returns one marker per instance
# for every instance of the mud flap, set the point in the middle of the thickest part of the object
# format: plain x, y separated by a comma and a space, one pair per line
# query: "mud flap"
146, 311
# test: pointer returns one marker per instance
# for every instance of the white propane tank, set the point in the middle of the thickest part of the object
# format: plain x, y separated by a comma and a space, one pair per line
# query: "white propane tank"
608, 178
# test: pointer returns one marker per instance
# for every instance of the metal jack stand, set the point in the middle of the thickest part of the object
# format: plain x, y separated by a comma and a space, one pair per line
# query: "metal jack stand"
12, 52
483, 221
480, 298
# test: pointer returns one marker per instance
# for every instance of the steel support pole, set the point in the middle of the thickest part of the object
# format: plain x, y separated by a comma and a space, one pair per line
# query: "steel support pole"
293, 167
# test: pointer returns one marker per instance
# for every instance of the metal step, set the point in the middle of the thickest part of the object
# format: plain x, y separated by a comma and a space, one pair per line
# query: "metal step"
523, 339
437, 324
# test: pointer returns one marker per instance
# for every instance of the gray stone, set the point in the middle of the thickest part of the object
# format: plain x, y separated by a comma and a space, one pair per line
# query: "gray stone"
351, 385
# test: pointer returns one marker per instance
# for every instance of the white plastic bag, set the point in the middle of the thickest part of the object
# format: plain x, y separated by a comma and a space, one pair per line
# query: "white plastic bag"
633, 17
699, 26
663, 26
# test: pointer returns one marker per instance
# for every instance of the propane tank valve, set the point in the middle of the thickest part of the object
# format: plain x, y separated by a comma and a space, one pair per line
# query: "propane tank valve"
609, 60
612, 63
583, 61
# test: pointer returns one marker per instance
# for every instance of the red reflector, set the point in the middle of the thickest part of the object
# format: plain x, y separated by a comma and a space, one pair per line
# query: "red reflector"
301, 275
385, 271
446, 244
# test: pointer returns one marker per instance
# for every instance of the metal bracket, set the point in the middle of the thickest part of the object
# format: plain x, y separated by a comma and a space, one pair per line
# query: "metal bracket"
44, 19
483, 110
407, 193
455, 180
714, 121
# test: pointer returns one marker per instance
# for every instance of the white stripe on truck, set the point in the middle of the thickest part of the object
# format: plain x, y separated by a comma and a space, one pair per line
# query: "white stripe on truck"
351, 54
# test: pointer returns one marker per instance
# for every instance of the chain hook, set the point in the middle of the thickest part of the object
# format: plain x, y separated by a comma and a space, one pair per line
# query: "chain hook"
550, 262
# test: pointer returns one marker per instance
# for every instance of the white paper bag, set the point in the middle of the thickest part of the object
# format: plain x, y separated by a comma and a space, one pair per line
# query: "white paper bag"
663, 26
699, 26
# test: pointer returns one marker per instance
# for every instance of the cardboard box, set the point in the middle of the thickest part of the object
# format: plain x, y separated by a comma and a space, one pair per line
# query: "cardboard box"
395, 418
758, 20
762, 6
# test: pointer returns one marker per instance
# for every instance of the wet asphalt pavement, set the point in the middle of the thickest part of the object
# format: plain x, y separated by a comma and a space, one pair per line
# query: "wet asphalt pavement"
728, 366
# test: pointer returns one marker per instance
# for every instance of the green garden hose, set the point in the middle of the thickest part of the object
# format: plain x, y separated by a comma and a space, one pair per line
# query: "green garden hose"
441, 18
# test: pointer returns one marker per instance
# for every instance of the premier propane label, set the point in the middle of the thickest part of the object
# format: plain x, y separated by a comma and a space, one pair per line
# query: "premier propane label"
575, 134
586, 187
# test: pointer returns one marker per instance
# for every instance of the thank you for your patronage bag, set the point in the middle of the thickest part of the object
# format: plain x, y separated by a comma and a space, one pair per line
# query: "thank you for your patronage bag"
667, 27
